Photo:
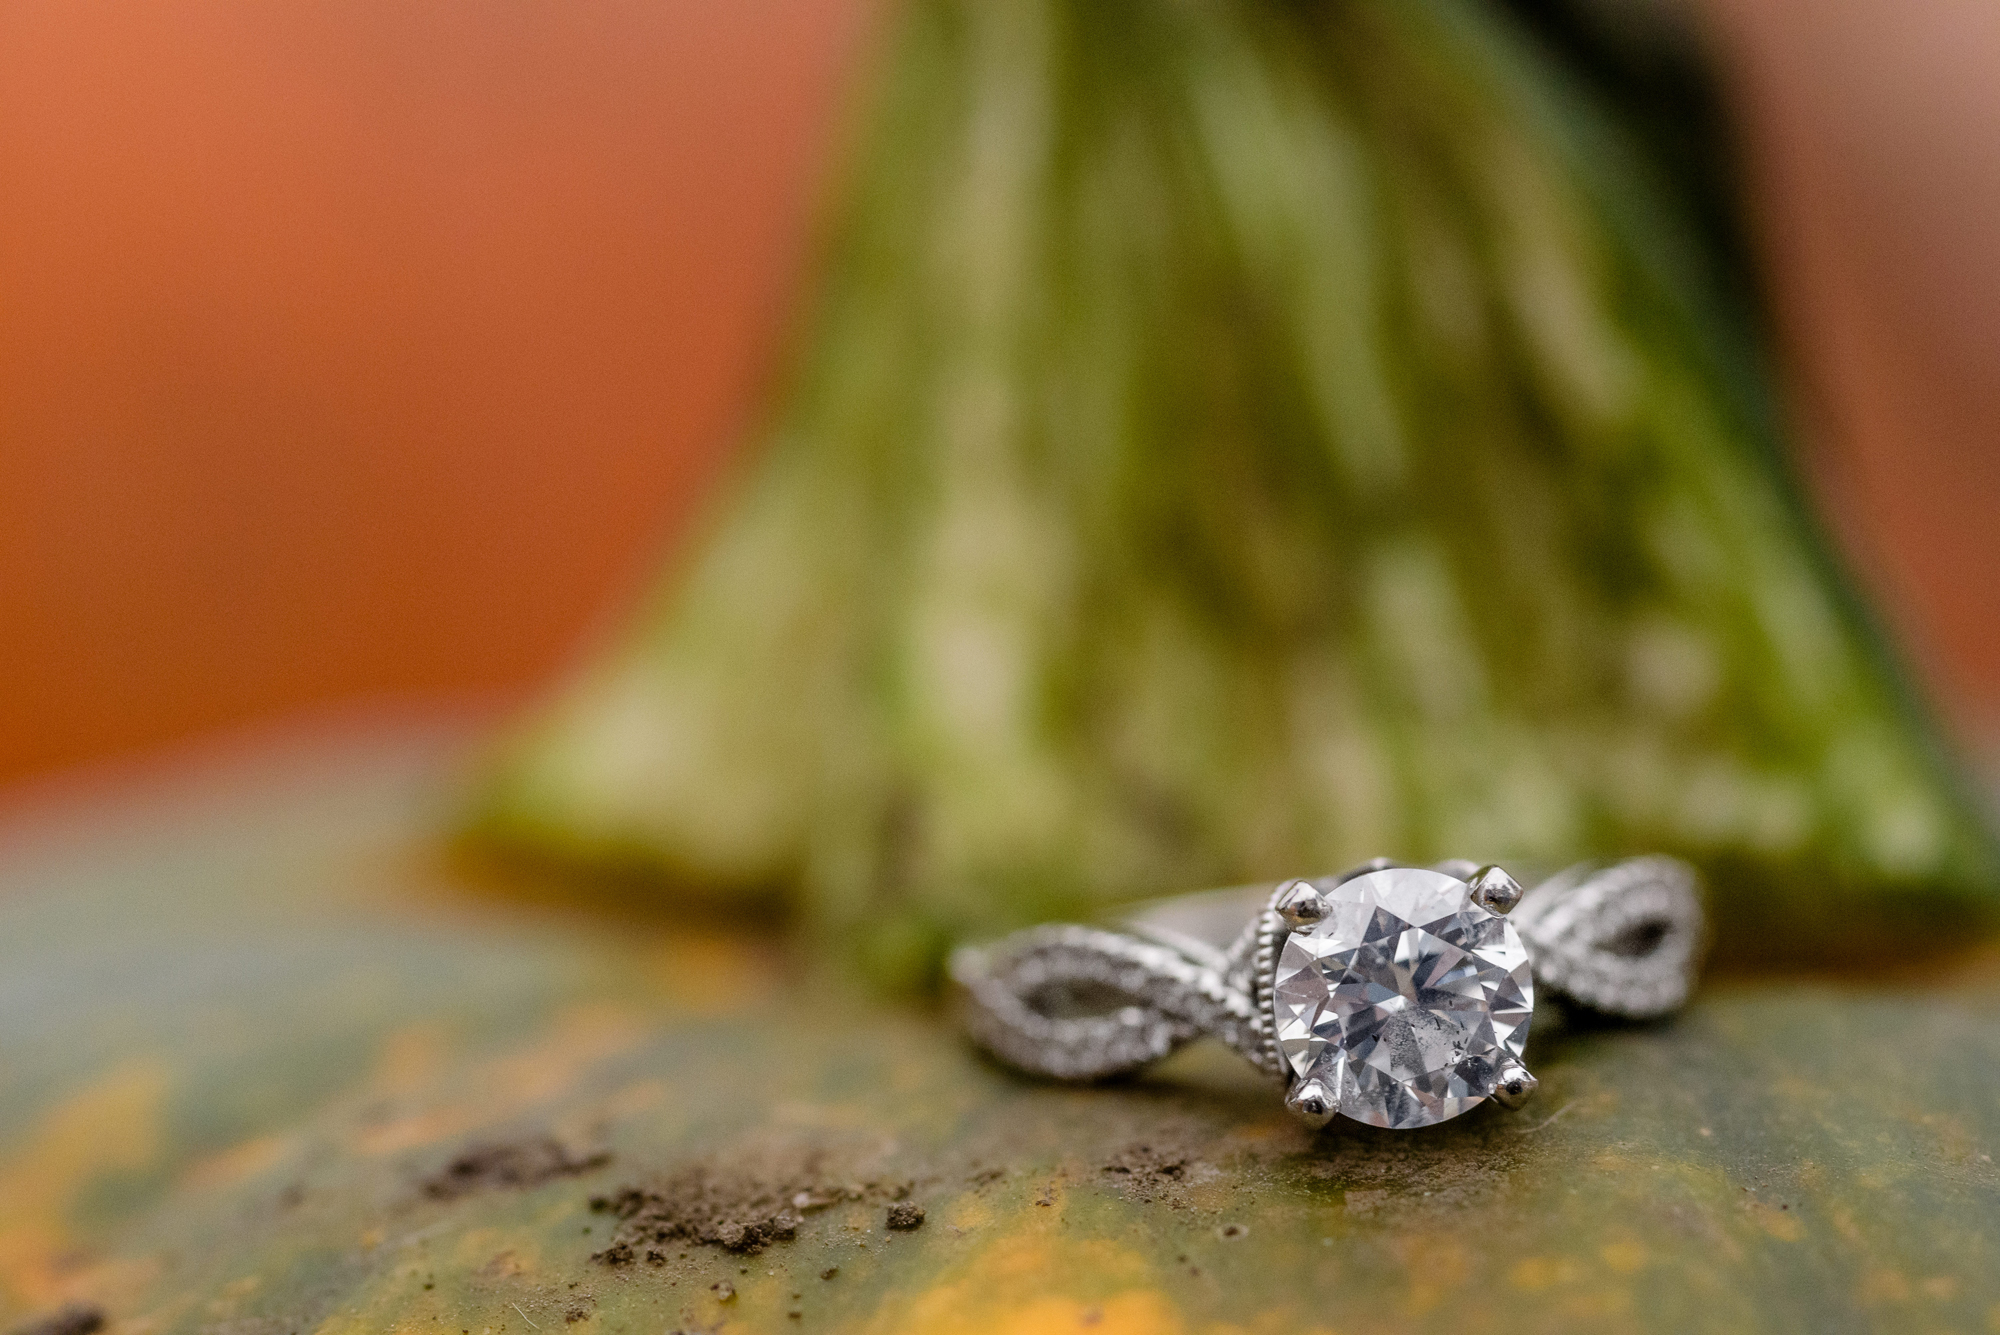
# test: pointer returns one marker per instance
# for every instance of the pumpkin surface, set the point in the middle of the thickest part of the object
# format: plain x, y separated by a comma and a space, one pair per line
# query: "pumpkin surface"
271, 1064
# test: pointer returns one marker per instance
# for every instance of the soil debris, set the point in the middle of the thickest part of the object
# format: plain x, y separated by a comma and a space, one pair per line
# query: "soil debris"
690, 1209
742, 1205
520, 1164
1148, 1171
75, 1319
905, 1215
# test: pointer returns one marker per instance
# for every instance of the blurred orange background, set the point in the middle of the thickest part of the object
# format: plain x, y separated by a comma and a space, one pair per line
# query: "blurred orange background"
377, 350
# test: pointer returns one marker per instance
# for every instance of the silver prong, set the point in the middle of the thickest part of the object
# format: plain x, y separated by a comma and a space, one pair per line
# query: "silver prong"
1300, 904
1513, 1086
1495, 890
1311, 1102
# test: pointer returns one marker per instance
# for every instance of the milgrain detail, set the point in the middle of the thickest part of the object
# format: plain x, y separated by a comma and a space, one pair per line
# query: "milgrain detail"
1082, 1003
1267, 931
1625, 939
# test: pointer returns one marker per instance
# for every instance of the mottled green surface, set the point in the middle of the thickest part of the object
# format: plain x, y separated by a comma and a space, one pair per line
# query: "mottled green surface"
1230, 440
241, 1022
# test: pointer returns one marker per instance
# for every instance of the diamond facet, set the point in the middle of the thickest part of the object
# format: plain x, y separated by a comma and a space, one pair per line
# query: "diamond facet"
1405, 1000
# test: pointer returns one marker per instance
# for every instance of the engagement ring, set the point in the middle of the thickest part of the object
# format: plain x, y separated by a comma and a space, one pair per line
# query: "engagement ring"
1397, 996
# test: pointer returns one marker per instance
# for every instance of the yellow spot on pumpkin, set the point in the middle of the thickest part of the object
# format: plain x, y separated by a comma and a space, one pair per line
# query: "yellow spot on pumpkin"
119, 1284
1532, 1274
711, 973
508, 1085
111, 1124
968, 1212
1624, 1258
1595, 1305
236, 1164
493, 1253
224, 1304
350, 1322
1781, 1224
945, 1311
1031, 1280
1275, 1321
1435, 1268
410, 1058
1884, 1286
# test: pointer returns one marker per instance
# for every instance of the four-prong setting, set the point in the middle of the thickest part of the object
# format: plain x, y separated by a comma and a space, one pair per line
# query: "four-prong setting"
1513, 1086
1398, 993
1494, 890
1311, 1102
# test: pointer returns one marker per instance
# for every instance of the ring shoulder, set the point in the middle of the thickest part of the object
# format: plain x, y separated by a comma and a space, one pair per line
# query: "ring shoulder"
1084, 1003
1625, 939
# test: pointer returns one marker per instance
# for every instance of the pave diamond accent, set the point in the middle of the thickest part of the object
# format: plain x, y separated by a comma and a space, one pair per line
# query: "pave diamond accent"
1080, 1003
1406, 1001
1625, 940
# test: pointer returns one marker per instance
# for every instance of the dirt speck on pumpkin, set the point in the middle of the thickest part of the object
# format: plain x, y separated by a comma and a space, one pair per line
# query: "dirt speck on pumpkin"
742, 1204
519, 1164
75, 1319
1147, 1171
905, 1215
618, 1253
